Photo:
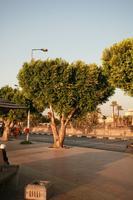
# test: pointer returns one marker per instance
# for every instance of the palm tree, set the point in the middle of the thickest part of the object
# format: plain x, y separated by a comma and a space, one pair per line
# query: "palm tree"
118, 109
104, 119
113, 104
118, 113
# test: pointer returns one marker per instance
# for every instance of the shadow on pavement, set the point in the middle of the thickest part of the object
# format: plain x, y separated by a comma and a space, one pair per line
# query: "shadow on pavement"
75, 172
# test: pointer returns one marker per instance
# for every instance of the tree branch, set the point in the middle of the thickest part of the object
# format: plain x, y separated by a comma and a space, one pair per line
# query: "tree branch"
51, 114
69, 116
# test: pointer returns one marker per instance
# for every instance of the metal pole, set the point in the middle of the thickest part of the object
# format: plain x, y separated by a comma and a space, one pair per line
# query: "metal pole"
28, 119
28, 125
31, 54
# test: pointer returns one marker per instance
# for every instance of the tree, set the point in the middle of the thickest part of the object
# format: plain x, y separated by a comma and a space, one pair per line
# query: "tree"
113, 104
118, 64
104, 120
87, 122
118, 110
69, 90
119, 119
12, 116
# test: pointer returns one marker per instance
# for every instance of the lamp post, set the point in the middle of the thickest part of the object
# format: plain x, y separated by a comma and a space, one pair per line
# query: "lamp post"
28, 117
44, 50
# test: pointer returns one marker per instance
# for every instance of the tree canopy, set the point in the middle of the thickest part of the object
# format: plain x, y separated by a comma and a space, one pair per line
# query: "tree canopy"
15, 96
70, 90
12, 116
65, 86
118, 64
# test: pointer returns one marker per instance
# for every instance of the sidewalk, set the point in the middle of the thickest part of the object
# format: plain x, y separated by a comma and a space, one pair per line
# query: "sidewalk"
76, 173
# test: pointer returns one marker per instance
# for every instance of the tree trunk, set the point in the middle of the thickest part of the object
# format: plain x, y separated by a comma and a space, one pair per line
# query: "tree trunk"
62, 132
59, 136
54, 129
64, 122
55, 136
113, 116
6, 132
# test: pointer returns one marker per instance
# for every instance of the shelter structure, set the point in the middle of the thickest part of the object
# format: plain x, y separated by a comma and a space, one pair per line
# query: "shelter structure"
6, 105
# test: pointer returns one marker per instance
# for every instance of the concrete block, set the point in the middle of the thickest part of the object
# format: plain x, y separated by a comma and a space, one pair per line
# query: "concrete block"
89, 136
39, 190
99, 137
111, 138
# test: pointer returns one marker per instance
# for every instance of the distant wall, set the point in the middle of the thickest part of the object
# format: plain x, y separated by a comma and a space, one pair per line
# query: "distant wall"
120, 132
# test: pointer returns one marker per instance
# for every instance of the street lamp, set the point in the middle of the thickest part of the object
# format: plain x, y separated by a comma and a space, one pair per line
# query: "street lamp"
28, 117
44, 50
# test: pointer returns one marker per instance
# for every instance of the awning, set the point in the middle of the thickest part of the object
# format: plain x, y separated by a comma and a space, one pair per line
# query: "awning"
5, 104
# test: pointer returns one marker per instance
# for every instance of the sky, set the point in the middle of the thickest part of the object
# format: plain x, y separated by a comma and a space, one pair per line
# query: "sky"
69, 29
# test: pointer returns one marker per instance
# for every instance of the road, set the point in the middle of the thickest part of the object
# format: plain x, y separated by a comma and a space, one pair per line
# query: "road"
104, 144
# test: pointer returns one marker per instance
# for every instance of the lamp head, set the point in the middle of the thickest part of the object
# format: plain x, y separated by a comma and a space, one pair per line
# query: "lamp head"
44, 50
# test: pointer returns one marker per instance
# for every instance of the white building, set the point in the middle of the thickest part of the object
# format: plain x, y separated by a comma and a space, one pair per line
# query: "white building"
129, 112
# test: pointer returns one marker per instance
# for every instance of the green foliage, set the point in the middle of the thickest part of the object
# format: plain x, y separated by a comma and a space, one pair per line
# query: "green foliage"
26, 142
67, 87
37, 118
15, 96
118, 64
104, 117
89, 121
7, 93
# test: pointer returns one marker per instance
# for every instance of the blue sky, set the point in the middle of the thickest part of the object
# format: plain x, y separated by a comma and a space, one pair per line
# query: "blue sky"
70, 29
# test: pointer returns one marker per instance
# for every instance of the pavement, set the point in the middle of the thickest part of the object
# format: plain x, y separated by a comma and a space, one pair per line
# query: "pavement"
76, 173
